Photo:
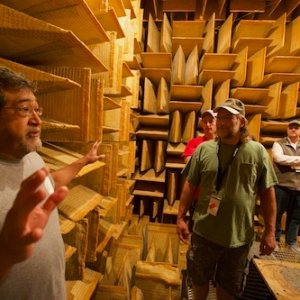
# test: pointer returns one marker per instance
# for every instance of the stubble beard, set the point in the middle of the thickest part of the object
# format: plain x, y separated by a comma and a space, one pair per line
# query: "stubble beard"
32, 145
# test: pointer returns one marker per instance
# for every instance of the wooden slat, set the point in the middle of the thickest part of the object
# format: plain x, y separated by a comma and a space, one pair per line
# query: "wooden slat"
186, 92
150, 101
155, 74
156, 60
191, 67
153, 39
147, 155
149, 189
150, 175
224, 36
65, 15
83, 290
184, 106
176, 127
249, 6
282, 277
163, 97
166, 36
256, 68
48, 42
160, 155
79, 202
222, 92
109, 21
154, 120
282, 64
178, 67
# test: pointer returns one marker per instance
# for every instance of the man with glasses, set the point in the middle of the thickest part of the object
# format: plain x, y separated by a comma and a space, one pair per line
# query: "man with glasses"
31, 247
286, 158
230, 172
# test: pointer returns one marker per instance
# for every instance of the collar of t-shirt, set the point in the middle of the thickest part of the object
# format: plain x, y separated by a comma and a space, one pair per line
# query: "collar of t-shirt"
294, 145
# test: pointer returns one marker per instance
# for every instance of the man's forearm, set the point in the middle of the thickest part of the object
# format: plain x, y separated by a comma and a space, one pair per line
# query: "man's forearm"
66, 174
268, 205
186, 199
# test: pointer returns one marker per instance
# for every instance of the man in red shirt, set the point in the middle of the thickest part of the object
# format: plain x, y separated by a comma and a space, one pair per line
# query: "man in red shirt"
208, 123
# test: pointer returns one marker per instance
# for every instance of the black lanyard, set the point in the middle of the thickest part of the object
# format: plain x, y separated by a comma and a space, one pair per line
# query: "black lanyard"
221, 175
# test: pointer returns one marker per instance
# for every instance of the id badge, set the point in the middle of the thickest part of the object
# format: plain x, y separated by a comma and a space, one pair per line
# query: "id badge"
213, 205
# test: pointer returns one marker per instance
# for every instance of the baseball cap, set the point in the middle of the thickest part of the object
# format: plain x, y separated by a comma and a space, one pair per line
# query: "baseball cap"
296, 122
234, 106
209, 112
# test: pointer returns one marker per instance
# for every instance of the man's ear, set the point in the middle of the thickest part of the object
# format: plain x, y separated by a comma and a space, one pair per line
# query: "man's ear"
244, 121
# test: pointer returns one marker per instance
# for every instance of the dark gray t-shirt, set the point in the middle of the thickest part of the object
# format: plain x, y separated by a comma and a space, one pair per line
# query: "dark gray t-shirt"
42, 275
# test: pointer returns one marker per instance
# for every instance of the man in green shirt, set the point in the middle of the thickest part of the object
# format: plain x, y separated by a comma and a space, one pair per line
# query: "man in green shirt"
231, 172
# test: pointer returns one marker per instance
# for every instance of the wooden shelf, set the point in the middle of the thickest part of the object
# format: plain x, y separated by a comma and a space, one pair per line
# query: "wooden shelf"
110, 104
88, 30
61, 157
84, 289
250, 95
107, 129
150, 175
126, 72
144, 188
155, 74
187, 44
153, 133
282, 64
49, 40
156, 60
176, 149
278, 127
109, 21
190, 93
185, 106
154, 120
118, 6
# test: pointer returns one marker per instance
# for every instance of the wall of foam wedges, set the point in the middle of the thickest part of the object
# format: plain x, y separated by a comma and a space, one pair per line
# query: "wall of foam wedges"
197, 54
83, 56
88, 57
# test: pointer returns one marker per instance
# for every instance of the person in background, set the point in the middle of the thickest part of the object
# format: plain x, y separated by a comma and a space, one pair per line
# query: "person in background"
230, 172
286, 158
31, 246
208, 123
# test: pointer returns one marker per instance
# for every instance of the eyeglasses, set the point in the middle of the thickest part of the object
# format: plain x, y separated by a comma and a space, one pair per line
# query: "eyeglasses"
27, 111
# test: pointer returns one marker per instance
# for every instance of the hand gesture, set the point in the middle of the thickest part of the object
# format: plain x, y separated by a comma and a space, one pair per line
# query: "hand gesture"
92, 155
25, 221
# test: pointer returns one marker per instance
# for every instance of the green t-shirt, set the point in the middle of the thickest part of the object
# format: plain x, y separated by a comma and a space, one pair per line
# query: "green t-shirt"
248, 172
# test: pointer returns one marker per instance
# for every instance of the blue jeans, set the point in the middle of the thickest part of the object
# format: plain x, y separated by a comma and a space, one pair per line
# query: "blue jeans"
289, 201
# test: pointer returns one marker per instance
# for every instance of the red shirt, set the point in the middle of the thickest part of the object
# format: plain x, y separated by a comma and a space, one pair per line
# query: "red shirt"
189, 150
192, 145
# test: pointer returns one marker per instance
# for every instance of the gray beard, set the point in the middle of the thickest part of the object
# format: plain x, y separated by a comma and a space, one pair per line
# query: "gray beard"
37, 146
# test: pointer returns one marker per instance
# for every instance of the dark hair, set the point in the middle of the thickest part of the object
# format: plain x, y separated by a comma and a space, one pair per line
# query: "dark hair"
10, 80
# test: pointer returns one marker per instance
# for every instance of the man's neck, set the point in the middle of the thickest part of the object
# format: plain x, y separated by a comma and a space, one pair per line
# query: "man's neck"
231, 140
294, 139
8, 157
210, 136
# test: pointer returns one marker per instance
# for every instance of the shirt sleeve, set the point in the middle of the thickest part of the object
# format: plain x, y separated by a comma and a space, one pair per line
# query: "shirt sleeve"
282, 159
268, 177
193, 169
189, 149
